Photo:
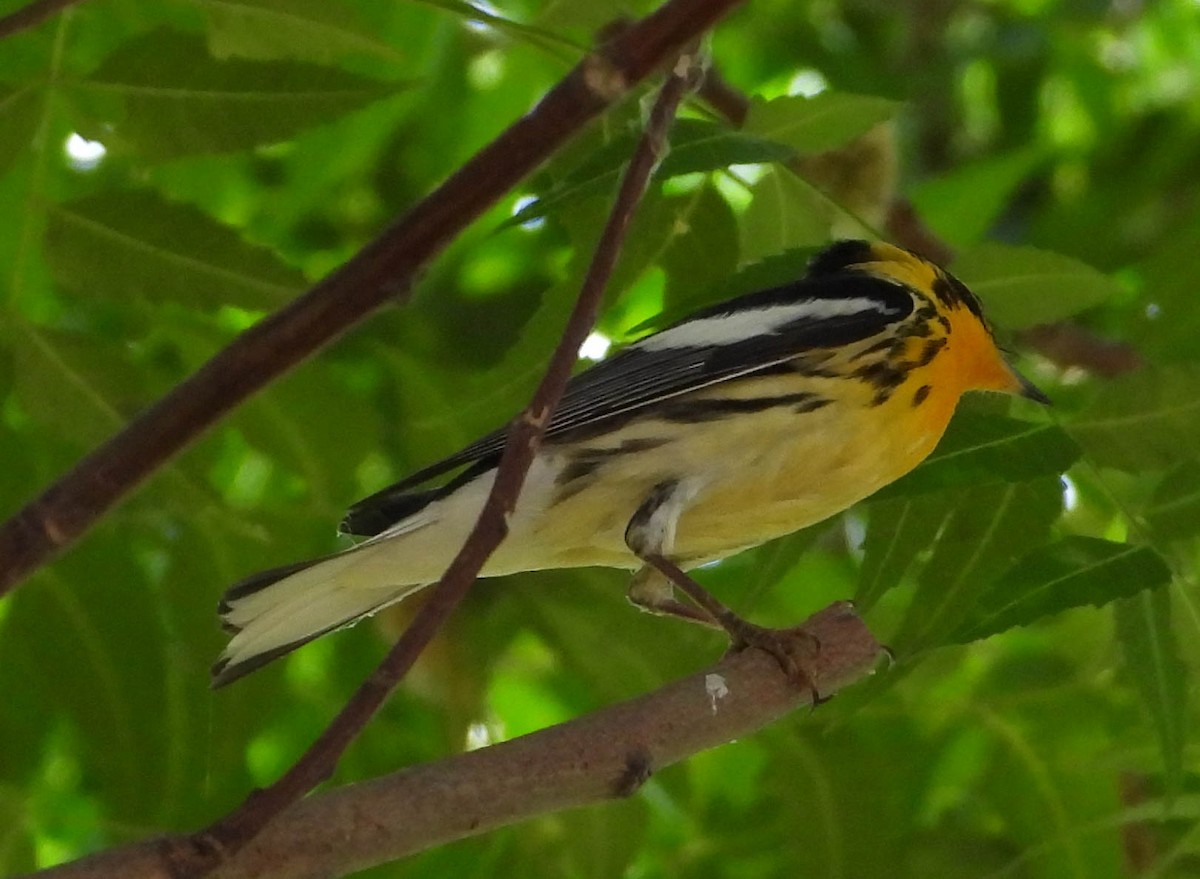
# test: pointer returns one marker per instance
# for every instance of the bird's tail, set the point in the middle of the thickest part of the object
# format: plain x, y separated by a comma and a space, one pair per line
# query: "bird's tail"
276, 611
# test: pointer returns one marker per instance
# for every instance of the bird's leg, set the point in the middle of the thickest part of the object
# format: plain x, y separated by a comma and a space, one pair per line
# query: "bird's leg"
650, 534
652, 592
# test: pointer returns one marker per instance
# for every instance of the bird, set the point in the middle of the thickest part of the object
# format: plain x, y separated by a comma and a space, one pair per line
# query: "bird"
743, 422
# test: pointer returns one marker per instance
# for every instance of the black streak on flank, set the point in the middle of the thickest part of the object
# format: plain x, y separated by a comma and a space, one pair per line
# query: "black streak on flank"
577, 469
921, 395
884, 376
812, 405
588, 460
698, 411
932, 347
888, 345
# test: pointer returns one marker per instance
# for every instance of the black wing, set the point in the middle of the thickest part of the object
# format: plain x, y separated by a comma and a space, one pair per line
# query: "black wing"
657, 368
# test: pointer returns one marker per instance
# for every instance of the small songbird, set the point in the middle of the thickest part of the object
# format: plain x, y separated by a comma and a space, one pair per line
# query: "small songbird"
744, 422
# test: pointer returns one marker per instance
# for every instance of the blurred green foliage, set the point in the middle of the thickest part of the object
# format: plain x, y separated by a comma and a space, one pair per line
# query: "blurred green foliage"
170, 172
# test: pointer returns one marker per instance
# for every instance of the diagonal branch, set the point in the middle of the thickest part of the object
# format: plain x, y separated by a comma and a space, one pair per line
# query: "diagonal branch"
206, 850
382, 270
590, 759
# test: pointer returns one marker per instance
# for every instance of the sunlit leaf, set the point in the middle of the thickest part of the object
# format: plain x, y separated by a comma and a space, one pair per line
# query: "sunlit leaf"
1073, 572
1023, 286
704, 246
162, 95
819, 123
964, 202
695, 145
320, 31
772, 271
133, 244
786, 213
481, 15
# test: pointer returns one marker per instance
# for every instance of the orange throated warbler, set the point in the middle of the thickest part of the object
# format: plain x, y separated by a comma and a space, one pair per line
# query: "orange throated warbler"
744, 422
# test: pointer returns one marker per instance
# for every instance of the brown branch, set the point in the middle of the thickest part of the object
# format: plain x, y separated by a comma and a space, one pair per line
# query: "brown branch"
1069, 345
204, 851
32, 15
383, 269
587, 760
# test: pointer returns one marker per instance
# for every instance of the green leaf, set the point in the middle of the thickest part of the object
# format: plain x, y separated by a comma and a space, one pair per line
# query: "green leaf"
770, 271
1173, 511
695, 145
1164, 328
786, 213
816, 124
133, 243
18, 122
1023, 286
1147, 420
479, 14
106, 661
898, 532
704, 246
321, 31
1072, 572
691, 236
988, 530
161, 95
1153, 661
980, 448
964, 203
773, 271
81, 385
292, 423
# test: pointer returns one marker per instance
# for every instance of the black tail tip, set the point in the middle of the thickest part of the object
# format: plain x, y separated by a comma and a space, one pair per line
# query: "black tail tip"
223, 672
218, 672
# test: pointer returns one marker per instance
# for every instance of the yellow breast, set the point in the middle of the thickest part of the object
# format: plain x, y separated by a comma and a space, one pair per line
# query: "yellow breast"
817, 465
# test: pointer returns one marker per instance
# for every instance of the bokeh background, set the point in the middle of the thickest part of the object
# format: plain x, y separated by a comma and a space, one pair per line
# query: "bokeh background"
171, 172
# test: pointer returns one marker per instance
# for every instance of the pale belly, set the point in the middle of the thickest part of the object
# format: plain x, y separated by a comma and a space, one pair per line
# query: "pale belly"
754, 479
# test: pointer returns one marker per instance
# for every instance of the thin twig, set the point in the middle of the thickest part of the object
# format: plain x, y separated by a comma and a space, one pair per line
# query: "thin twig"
381, 271
589, 759
32, 15
207, 849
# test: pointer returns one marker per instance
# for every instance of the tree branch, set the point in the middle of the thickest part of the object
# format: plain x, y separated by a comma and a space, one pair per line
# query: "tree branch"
204, 851
384, 269
607, 754
32, 15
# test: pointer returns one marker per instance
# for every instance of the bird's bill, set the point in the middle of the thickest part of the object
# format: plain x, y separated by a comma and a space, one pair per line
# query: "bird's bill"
1029, 390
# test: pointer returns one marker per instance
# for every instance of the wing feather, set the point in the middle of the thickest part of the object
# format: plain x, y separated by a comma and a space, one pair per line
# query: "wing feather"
728, 341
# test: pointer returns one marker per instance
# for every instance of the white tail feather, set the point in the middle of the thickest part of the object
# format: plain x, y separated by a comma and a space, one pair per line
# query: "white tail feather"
330, 594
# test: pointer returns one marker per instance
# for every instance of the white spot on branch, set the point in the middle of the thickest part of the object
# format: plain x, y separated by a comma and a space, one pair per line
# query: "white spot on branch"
717, 689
